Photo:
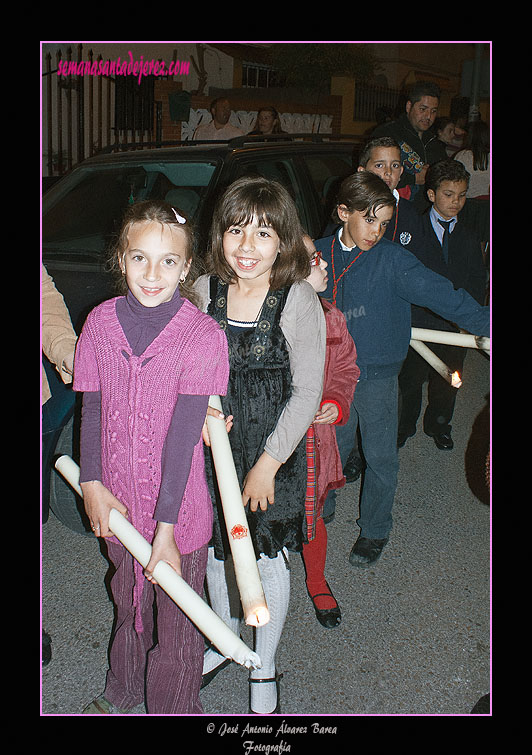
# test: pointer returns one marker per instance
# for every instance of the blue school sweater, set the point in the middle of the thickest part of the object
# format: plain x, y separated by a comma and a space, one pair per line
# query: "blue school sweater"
376, 293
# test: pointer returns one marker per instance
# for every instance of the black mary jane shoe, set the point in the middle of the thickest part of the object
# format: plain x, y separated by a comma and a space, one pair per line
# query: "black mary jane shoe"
275, 679
328, 617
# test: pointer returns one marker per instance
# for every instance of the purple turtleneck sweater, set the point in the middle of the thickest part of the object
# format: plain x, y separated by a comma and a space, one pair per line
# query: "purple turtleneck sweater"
141, 325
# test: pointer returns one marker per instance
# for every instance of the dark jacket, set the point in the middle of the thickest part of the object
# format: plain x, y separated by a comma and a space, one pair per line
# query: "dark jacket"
376, 295
405, 226
415, 152
465, 267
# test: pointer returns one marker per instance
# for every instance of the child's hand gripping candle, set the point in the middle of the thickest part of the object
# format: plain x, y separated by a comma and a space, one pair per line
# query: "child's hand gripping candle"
181, 593
245, 563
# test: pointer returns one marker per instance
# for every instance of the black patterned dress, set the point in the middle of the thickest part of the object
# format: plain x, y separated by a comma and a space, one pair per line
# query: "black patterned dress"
259, 387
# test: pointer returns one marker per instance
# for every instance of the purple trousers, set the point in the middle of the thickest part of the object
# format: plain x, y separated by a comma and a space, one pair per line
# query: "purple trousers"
163, 672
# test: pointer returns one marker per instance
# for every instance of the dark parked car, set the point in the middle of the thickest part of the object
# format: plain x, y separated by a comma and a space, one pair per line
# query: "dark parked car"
82, 213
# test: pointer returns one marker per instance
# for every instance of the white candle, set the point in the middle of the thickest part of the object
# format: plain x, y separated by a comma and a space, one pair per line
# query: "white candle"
456, 339
70, 471
436, 362
202, 615
245, 562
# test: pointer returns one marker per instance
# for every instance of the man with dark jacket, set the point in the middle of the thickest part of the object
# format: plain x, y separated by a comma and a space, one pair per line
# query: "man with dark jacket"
420, 146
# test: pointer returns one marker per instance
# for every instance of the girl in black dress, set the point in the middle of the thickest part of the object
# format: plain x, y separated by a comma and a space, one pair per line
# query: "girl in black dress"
276, 334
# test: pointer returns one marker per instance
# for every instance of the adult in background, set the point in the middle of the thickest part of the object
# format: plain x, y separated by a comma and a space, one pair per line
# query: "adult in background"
450, 133
219, 128
58, 346
475, 157
267, 122
419, 143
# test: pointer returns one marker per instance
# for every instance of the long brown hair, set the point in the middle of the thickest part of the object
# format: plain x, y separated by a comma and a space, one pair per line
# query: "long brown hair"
156, 211
270, 202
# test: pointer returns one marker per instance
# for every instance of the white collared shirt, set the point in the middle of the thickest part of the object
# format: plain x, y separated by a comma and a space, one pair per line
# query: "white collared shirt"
438, 229
344, 247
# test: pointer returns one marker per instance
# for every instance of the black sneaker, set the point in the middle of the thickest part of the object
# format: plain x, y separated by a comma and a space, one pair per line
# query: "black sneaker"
366, 552
353, 468
443, 441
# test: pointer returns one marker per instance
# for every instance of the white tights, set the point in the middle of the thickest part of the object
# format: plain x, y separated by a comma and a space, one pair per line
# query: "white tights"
224, 600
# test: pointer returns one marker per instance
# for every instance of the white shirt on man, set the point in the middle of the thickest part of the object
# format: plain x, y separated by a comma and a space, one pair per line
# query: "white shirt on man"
210, 132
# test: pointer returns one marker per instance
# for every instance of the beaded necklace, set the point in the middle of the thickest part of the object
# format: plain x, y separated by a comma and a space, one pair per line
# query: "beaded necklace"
337, 280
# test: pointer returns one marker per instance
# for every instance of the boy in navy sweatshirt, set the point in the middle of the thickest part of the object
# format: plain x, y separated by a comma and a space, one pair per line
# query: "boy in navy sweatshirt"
382, 156
374, 282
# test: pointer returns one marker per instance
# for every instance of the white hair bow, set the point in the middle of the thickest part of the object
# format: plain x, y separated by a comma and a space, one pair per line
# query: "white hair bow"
178, 217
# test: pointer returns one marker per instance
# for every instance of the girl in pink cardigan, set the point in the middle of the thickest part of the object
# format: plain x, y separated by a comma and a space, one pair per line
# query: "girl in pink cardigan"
147, 363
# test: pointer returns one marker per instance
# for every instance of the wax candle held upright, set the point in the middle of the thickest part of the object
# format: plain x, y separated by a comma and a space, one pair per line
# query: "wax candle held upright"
245, 562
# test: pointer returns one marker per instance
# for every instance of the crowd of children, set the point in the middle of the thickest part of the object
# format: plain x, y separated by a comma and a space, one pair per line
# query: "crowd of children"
304, 342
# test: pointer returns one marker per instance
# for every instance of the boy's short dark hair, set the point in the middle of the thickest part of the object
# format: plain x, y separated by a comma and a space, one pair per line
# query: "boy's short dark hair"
423, 89
445, 170
379, 141
365, 192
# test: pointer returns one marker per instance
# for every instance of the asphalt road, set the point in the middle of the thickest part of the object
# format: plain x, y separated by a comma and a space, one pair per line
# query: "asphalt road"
415, 632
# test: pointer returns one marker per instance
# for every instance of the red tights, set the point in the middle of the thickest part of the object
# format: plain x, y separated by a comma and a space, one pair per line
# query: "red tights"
314, 556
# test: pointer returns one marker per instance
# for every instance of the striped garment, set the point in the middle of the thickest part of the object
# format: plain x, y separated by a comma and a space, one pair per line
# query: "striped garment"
310, 495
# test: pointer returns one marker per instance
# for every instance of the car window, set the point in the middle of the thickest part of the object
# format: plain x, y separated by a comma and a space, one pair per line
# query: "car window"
82, 213
326, 173
281, 170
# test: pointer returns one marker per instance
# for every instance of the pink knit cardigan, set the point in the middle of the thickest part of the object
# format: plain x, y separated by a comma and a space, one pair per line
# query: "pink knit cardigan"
138, 399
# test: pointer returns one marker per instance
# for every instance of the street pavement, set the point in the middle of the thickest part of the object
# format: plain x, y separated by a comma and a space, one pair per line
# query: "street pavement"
415, 632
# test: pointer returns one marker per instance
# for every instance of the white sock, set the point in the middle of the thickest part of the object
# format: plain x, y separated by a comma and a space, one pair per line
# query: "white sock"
275, 578
222, 600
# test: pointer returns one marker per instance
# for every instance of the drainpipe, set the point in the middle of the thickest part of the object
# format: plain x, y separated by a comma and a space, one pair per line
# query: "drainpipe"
474, 109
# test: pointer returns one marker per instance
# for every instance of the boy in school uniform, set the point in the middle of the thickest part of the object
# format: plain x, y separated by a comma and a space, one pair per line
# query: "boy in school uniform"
374, 281
456, 254
382, 156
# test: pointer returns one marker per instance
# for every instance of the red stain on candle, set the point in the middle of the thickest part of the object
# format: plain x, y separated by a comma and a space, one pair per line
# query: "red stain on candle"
238, 532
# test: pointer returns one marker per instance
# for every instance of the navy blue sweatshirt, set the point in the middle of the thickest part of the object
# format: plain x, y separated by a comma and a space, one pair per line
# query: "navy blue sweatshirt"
376, 295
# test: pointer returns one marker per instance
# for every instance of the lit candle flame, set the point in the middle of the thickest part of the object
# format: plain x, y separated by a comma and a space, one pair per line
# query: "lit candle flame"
456, 380
259, 617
